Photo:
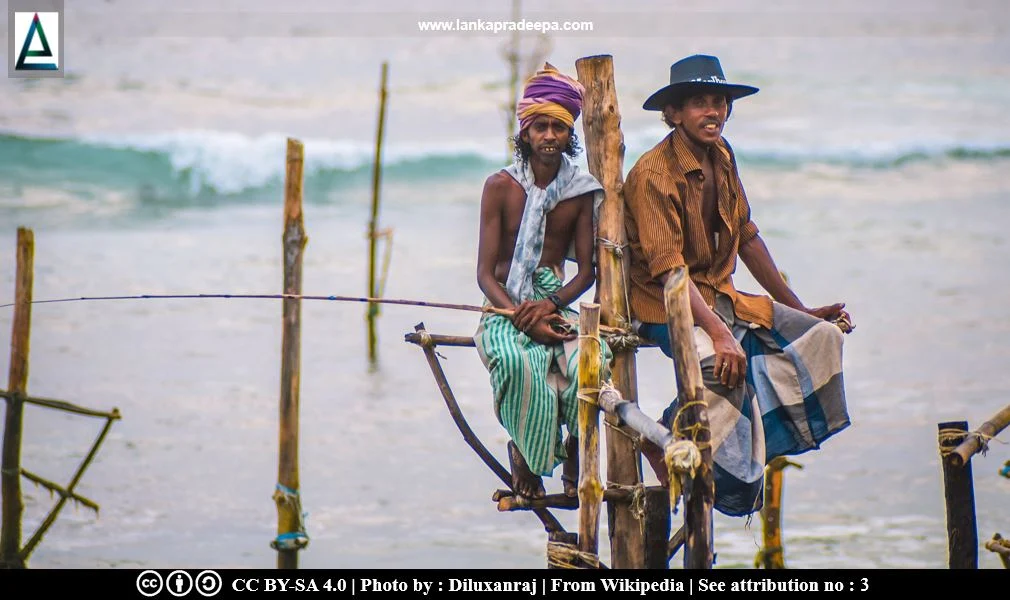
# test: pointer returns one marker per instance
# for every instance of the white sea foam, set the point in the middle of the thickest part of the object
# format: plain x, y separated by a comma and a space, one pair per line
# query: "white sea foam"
230, 163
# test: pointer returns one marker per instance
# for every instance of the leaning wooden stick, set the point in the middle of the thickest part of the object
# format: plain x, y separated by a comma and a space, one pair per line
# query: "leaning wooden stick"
590, 488
691, 422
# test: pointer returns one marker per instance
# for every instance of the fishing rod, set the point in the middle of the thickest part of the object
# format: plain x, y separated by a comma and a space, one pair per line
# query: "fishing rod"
467, 307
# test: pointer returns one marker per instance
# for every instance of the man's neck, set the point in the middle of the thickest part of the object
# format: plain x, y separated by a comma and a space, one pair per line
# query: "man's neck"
544, 173
700, 151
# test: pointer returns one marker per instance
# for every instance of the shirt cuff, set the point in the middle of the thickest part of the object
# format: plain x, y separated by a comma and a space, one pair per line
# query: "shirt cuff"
663, 263
748, 232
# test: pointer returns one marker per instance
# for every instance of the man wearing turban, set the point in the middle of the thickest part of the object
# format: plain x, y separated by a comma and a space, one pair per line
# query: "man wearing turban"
534, 215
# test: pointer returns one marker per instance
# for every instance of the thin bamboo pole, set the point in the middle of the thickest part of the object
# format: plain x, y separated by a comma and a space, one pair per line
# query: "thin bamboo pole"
289, 518
373, 223
590, 488
691, 421
512, 58
959, 495
975, 441
601, 123
17, 384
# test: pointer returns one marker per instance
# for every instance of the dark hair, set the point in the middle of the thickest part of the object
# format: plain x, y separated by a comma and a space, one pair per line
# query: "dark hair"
677, 102
523, 150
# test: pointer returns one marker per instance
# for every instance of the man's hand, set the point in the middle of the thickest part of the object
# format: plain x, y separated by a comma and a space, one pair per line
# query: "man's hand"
527, 314
828, 313
730, 360
834, 314
546, 330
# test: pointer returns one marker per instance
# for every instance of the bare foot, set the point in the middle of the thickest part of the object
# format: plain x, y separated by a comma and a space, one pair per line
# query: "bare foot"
524, 482
570, 469
654, 454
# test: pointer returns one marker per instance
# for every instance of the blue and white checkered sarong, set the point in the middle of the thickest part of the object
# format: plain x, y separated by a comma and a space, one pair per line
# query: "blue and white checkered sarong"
794, 383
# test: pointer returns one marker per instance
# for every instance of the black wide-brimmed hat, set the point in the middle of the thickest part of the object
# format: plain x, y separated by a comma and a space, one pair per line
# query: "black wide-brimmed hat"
696, 74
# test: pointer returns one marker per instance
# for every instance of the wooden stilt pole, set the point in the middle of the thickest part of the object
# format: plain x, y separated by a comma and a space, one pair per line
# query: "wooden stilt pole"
290, 530
691, 421
373, 223
601, 123
656, 528
590, 489
771, 555
959, 493
13, 506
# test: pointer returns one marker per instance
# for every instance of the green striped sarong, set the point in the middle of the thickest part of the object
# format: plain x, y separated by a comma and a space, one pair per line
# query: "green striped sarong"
535, 386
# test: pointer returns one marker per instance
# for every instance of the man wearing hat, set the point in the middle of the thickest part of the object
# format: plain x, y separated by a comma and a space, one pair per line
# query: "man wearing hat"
772, 367
535, 214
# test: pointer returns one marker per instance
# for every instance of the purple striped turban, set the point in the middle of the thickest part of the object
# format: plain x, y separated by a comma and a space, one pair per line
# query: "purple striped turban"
550, 93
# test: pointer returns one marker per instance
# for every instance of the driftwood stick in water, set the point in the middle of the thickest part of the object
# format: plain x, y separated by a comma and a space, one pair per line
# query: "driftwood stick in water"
691, 421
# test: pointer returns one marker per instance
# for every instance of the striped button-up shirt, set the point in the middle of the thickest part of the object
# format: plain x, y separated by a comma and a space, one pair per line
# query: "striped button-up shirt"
666, 229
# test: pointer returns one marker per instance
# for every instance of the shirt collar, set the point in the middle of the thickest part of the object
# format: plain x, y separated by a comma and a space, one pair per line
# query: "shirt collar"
679, 153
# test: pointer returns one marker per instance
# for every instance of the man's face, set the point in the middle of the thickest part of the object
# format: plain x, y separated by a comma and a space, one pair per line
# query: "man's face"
701, 118
548, 137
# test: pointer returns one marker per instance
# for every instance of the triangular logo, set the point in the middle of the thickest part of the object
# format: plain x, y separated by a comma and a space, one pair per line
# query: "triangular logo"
44, 52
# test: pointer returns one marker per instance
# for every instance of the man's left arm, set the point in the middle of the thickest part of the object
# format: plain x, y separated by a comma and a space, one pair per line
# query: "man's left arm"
754, 253
532, 312
585, 248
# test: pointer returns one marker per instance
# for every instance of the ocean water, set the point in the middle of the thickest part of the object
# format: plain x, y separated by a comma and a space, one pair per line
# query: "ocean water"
875, 159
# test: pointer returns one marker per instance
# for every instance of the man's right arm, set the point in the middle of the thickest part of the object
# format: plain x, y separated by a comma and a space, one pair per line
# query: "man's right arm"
730, 360
662, 238
492, 205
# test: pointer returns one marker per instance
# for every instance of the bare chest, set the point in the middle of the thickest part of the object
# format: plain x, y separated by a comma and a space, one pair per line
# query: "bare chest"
559, 221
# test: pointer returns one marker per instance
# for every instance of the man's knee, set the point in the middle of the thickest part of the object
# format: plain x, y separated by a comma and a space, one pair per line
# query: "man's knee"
829, 333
